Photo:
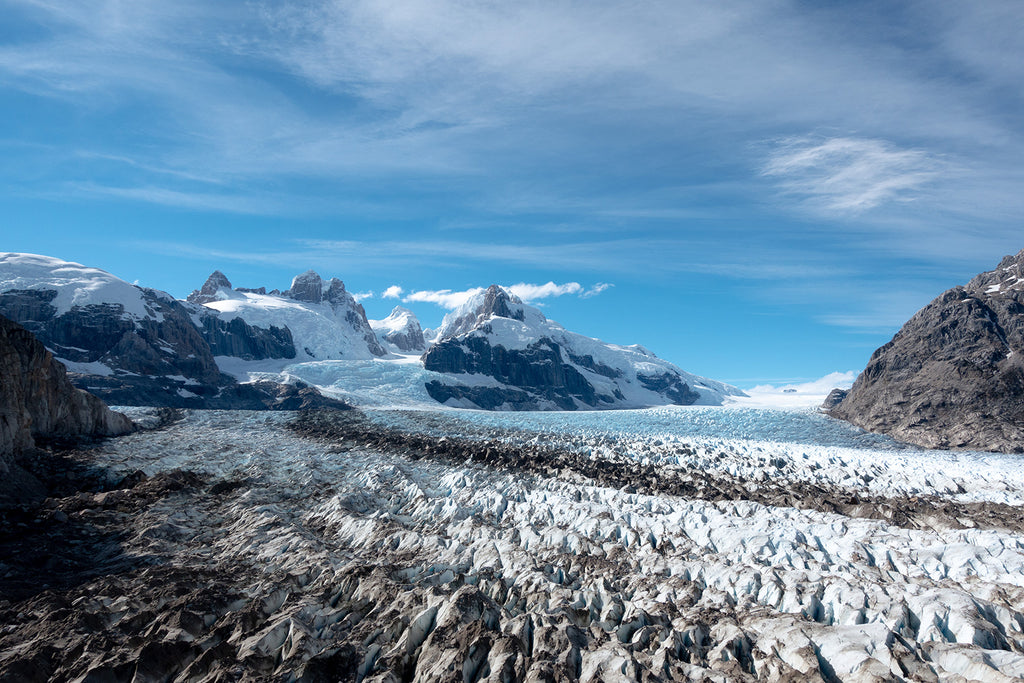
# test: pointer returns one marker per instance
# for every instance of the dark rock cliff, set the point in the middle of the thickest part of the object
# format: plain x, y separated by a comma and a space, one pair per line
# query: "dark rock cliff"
38, 401
538, 369
237, 338
953, 376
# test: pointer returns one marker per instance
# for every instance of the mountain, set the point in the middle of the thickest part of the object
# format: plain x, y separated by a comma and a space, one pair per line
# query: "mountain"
133, 345
953, 376
323, 320
231, 347
400, 330
502, 354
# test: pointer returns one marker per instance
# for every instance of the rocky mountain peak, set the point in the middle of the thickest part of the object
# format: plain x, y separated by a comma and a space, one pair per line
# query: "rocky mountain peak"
308, 286
208, 292
494, 302
499, 302
953, 376
400, 329
334, 291
1006, 279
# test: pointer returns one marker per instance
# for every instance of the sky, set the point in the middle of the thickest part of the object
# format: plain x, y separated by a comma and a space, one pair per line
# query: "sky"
761, 192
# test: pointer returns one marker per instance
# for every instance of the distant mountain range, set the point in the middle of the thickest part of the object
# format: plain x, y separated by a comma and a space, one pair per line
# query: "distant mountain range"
134, 345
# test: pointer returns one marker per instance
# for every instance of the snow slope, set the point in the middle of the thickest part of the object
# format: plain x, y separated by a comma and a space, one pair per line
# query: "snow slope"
321, 331
400, 331
75, 284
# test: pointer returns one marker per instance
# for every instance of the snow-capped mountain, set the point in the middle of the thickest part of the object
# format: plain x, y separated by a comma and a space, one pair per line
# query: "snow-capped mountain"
324, 321
503, 354
401, 331
137, 346
133, 345
98, 324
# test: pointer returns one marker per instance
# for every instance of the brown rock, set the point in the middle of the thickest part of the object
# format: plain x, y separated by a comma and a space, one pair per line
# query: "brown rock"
953, 376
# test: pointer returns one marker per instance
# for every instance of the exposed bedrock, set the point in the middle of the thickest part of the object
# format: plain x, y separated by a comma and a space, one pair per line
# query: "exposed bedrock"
538, 370
37, 401
953, 376
237, 338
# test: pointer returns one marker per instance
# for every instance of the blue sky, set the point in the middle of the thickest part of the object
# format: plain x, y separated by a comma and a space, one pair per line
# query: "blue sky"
757, 191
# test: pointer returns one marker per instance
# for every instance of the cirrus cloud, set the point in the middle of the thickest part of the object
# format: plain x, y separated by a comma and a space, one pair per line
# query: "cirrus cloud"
851, 175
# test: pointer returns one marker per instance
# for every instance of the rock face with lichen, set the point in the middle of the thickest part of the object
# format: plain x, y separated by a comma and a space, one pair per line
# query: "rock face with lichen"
953, 376
38, 401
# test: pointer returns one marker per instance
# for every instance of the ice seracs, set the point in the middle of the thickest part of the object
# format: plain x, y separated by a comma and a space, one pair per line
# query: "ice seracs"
503, 354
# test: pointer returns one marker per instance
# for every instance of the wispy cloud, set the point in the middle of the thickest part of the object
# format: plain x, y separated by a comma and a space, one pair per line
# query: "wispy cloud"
596, 289
851, 175
206, 201
529, 292
445, 298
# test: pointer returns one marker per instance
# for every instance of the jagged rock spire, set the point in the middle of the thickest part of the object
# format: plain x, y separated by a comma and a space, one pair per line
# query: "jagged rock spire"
208, 292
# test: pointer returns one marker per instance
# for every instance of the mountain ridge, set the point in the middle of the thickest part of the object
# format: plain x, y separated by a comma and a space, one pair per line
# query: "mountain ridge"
953, 376
144, 347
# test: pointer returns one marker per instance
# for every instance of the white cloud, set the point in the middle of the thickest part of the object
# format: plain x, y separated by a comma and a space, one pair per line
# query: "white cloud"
392, 292
362, 296
823, 385
596, 289
851, 175
529, 292
444, 298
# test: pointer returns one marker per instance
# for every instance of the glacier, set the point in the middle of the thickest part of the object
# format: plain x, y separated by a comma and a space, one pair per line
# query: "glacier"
429, 545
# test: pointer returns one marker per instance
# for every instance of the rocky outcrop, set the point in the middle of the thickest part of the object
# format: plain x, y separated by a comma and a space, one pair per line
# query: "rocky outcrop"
37, 400
237, 338
208, 292
268, 395
953, 376
834, 398
537, 372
